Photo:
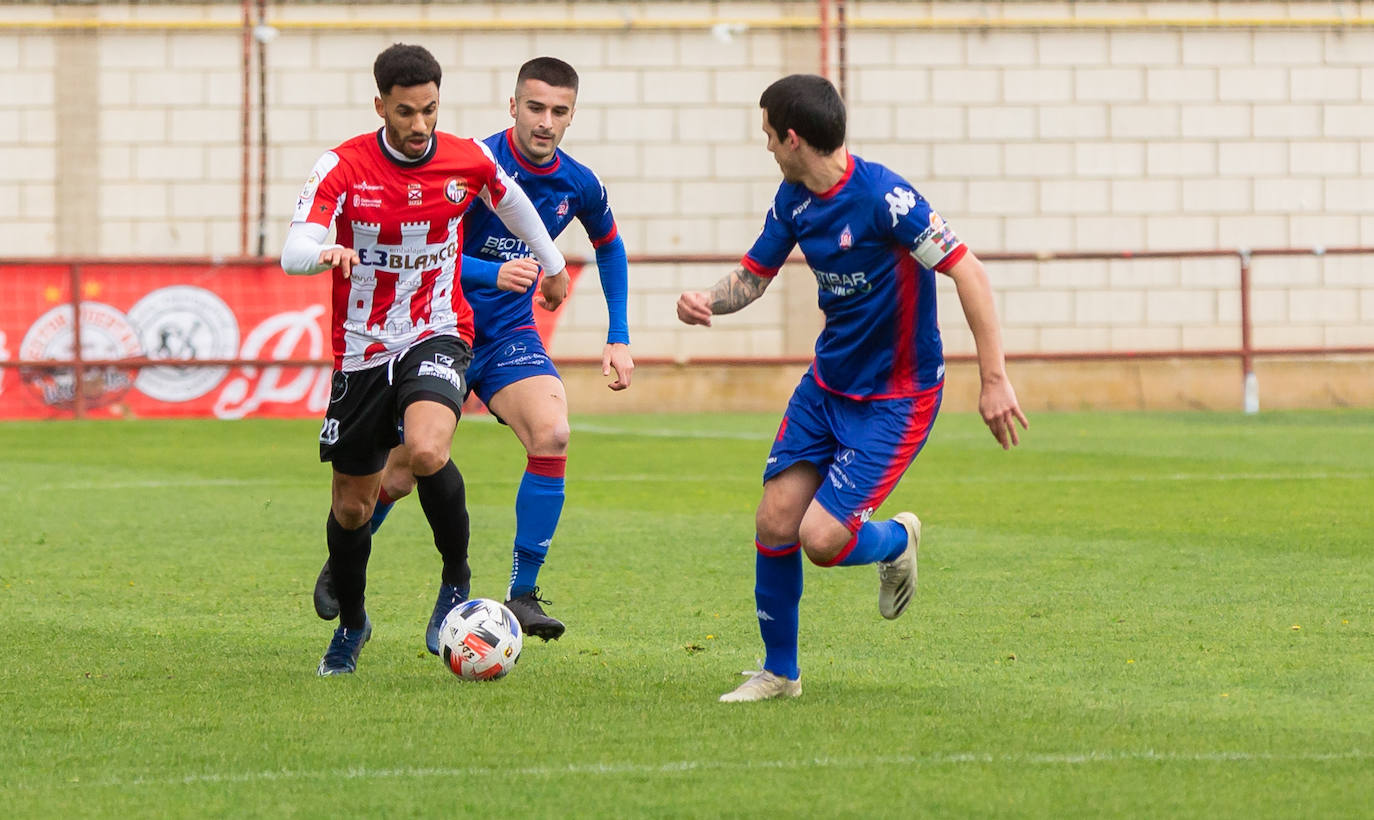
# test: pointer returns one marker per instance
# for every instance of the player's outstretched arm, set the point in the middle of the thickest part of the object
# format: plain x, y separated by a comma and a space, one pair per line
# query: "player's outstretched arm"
996, 399
305, 252
735, 290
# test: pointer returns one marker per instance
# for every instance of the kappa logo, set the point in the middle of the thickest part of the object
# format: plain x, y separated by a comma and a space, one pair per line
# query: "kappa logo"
796, 212
900, 202
763, 616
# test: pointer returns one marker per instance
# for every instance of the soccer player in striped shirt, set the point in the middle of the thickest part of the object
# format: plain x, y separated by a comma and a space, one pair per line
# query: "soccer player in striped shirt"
402, 329
865, 407
511, 371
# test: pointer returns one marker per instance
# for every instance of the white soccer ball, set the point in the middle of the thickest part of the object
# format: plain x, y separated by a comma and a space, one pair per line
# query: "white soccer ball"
480, 640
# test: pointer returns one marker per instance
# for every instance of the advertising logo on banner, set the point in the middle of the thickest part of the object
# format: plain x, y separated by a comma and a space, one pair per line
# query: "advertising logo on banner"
174, 314
181, 323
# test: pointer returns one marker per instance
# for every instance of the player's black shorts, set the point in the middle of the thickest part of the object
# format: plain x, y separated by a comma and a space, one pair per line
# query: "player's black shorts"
366, 407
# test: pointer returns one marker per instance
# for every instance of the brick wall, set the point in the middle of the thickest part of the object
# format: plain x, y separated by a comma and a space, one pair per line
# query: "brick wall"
1063, 136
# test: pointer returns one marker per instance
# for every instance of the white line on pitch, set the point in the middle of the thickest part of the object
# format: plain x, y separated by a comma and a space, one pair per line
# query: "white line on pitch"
682, 766
1004, 478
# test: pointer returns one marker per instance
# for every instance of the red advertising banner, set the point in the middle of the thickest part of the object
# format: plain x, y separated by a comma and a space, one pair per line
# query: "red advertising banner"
257, 329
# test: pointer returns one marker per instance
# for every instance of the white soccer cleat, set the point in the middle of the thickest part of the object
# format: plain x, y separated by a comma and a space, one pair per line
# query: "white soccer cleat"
897, 578
763, 685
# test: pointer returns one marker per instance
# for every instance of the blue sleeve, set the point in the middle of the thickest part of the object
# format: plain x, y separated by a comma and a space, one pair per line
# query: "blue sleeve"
480, 272
772, 247
611, 264
916, 225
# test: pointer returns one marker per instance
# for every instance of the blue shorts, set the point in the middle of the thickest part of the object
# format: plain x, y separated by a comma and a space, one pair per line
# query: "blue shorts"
507, 360
860, 448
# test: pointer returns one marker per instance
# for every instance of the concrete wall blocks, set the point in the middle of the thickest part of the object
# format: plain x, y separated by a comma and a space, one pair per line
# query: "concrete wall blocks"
1104, 138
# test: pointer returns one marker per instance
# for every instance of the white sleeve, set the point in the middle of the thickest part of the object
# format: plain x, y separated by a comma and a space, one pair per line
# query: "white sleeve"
304, 244
519, 215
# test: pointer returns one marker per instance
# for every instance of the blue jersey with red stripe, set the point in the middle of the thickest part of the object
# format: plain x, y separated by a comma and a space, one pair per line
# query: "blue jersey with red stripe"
561, 190
873, 244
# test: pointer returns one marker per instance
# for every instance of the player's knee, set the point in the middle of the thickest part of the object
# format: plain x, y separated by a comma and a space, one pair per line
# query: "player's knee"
822, 544
352, 513
551, 439
773, 528
426, 458
399, 483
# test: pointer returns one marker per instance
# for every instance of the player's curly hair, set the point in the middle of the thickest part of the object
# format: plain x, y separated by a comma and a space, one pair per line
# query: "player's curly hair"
550, 70
809, 105
405, 65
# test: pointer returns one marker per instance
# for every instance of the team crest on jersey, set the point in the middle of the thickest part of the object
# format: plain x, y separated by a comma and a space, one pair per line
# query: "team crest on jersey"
562, 210
456, 190
415, 194
846, 239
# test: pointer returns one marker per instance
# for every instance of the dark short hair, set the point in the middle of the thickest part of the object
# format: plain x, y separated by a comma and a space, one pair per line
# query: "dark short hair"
550, 70
809, 105
405, 65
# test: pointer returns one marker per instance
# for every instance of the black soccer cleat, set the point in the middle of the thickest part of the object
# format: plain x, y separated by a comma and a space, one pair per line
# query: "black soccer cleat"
341, 658
531, 616
326, 601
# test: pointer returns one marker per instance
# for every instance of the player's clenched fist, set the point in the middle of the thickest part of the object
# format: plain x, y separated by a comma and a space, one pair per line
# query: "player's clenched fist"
517, 275
553, 290
694, 308
340, 257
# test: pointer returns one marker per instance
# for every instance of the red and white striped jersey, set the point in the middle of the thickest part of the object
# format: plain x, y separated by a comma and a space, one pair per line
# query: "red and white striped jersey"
404, 219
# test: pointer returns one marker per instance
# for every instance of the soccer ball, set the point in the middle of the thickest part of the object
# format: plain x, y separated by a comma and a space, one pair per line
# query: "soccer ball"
480, 640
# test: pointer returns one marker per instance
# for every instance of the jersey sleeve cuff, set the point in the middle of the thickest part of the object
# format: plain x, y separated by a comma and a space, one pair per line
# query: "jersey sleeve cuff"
608, 238
757, 269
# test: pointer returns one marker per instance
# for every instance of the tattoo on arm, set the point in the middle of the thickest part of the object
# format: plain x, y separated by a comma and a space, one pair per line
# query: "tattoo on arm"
737, 289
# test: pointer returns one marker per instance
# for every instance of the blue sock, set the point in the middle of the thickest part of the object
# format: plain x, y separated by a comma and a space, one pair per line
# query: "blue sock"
379, 514
875, 541
777, 594
538, 505
383, 506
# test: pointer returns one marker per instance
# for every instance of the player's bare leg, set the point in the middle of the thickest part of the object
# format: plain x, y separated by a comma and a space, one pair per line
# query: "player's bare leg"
778, 583
536, 409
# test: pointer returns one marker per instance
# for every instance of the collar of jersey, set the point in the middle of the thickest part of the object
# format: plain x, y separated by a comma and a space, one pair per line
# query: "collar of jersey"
526, 164
407, 163
848, 172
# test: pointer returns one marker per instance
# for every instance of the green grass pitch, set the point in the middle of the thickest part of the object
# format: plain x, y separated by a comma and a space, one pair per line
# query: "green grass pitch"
1141, 615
